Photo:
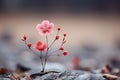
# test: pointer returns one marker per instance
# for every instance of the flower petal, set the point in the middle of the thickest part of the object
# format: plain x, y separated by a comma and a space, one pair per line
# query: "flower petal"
39, 46
38, 27
51, 26
45, 28
45, 23
39, 43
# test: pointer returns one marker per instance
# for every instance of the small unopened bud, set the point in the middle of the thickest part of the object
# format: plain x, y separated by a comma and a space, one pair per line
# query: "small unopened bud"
57, 37
24, 38
64, 34
65, 53
59, 29
61, 48
29, 45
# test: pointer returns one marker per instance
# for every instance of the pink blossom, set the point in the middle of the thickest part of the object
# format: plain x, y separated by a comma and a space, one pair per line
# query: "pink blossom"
45, 28
39, 46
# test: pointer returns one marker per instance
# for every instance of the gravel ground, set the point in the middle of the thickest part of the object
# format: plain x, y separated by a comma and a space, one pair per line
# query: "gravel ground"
66, 75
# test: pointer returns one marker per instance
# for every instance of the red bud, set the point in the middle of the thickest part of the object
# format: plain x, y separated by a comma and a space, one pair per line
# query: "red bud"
61, 48
64, 34
57, 37
59, 29
65, 53
24, 38
29, 45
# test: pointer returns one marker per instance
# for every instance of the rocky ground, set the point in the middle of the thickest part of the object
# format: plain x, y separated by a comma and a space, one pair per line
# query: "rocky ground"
67, 75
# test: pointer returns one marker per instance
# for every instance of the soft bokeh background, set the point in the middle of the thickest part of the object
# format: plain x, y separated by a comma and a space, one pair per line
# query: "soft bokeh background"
92, 27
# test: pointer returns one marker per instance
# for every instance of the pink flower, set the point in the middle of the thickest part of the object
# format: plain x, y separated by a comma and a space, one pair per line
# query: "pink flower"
39, 46
45, 28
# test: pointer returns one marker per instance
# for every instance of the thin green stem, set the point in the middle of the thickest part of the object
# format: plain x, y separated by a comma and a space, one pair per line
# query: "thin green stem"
52, 43
41, 58
57, 32
31, 49
47, 39
54, 51
54, 40
46, 54
46, 57
52, 55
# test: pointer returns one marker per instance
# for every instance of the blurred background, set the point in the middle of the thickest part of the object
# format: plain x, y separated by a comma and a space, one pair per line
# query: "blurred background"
92, 27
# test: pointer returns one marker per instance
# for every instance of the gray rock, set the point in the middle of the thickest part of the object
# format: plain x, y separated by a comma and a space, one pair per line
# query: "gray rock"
89, 76
50, 76
118, 78
4, 79
71, 75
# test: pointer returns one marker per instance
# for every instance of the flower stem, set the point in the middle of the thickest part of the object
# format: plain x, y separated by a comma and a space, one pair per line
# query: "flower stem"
54, 51
31, 49
57, 32
52, 43
53, 55
54, 40
46, 57
41, 59
40, 56
46, 54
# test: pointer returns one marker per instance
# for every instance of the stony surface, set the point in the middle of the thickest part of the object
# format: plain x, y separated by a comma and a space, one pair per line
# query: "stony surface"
71, 75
